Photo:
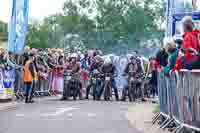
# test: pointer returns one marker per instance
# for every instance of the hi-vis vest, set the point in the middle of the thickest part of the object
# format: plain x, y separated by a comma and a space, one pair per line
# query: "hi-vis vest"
27, 73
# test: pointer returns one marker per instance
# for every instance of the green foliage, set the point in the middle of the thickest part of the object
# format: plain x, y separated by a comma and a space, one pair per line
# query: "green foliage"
111, 24
188, 7
38, 36
156, 109
3, 31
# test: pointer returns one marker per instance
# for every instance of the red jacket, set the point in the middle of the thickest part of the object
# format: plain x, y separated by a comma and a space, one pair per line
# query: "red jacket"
190, 40
178, 64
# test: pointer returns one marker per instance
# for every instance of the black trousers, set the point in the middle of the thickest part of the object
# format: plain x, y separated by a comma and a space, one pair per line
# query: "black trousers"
131, 91
96, 88
74, 86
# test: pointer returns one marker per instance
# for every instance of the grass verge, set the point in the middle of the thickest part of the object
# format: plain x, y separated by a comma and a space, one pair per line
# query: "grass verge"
156, 109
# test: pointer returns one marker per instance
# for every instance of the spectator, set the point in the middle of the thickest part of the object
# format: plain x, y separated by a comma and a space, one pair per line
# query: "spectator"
162, 57
190, 37
85, 62
173, 54
190, 41
153, 80
28, 78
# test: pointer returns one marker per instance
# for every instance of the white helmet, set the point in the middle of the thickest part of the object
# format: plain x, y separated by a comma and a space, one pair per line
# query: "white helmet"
107, 60
74, 55
82, 56
167, 40
79, 52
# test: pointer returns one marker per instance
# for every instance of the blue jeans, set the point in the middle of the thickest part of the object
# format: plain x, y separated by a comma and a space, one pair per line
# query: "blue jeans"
113, 86
96, 86
29, 90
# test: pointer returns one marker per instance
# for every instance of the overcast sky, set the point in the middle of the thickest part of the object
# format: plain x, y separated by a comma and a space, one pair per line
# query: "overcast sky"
38, 8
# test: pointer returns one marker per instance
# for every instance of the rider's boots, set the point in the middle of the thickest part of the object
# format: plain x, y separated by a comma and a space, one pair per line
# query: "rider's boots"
123, 95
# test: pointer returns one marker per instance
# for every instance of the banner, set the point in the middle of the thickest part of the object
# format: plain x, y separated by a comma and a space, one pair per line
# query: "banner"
167, 7
194, 4
18, 26
7, 84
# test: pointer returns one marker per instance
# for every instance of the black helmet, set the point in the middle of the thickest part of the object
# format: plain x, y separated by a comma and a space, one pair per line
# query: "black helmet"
132, 58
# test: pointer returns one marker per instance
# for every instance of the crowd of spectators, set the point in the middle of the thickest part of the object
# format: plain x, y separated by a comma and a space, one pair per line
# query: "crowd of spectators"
180, 51
46, 67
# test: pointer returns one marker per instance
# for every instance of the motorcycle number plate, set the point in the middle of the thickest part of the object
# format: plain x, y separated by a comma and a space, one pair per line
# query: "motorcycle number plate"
107, 78
69, 77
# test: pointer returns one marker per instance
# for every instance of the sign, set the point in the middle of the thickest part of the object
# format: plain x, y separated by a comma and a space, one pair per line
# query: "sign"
18, 26
6, 84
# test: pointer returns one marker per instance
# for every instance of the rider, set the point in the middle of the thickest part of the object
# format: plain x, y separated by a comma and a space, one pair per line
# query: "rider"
132, 66
74, 68
108, 67
95, 68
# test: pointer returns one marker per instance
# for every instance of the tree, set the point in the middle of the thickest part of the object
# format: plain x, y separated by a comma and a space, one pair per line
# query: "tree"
3, 31
39, 36
188, 7
112, 21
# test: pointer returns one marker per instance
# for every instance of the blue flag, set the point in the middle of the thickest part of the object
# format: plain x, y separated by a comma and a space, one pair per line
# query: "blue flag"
18, 26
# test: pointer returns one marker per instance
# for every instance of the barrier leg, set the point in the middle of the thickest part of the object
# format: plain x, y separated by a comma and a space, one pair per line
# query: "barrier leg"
180, 129
38, 94
176, 129
49, 93
156, 117
17, 94
22, 95
170, 121
172, 129
167, 119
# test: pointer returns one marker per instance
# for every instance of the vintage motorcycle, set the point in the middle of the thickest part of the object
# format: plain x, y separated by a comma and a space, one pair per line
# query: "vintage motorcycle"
108, 87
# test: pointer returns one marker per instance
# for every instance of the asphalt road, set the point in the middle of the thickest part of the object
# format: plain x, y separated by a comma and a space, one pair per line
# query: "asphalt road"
53, 116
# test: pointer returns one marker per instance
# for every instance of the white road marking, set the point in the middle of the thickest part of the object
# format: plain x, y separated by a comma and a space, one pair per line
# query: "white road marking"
20, 115
58, 112
23, 116
92, 115
70, 114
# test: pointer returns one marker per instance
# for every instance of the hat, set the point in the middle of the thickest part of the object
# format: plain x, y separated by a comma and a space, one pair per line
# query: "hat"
187, 19
74, 55
167, 41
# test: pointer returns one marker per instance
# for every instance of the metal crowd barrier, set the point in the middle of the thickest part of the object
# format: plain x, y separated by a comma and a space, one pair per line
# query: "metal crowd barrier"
179, 97
41, 87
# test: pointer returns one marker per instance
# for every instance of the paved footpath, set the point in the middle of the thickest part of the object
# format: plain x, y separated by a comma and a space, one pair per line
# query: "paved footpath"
141, 116
53, 116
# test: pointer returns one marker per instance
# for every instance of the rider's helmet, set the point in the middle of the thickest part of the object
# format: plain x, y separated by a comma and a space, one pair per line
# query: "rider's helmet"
98, 58
73, 57
82, 56
107, 61
133, 59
